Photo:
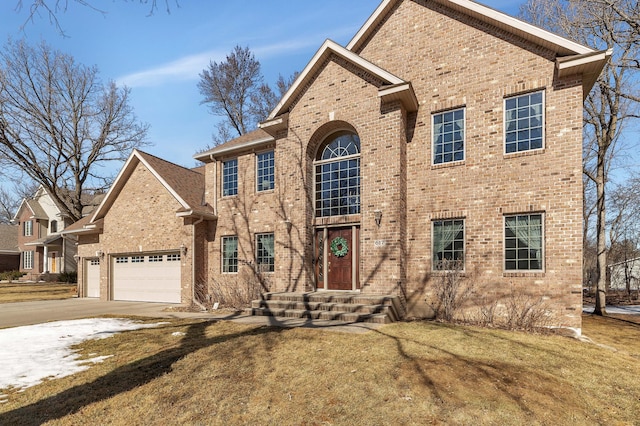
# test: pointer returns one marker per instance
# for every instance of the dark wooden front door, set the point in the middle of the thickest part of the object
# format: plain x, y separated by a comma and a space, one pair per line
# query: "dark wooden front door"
337, 258
339, 263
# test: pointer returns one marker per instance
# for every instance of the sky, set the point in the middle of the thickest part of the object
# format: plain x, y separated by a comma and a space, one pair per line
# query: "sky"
160, 57
32, 353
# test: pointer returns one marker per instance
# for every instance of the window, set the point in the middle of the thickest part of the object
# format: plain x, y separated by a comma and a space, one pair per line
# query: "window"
448, 136
137, 259
230, 254
121, 259
265, 252
155, 258
96, 262
523, 242
27, 259
448, 244
265, 171
28, 228
173, 257
523, 122
230, 177
54, 226
338, 176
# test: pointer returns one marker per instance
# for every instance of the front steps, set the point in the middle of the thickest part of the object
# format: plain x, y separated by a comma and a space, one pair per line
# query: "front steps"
333, 306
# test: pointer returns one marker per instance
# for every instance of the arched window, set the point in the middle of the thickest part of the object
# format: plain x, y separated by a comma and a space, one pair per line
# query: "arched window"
338, 176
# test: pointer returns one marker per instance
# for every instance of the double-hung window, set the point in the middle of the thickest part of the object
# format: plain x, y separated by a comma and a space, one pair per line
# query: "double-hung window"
448, 136
265, 171
448, 244
230, 254
28, 228
265, 253
27, 259
524, 122
523, 242
230, 177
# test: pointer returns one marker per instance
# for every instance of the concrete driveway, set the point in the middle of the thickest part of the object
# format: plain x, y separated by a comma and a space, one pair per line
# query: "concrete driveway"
29, 313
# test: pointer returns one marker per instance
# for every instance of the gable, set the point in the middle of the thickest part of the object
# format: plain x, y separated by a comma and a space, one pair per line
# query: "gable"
184, 185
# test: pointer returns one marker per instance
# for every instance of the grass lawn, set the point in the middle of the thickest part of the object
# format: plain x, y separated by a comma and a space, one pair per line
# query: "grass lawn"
26, 292
403, 373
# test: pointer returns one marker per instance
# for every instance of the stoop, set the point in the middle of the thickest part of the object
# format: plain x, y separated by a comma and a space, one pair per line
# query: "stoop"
333, 306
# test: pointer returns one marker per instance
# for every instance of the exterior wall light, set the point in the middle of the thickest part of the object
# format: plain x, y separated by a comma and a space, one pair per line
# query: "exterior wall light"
377, 214
100, 254
183, 250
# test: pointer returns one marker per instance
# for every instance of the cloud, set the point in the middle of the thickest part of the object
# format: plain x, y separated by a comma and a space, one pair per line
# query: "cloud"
189, 67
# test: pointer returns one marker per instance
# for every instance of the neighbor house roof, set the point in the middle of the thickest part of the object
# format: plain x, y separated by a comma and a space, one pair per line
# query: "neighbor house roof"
9, 239
186, 185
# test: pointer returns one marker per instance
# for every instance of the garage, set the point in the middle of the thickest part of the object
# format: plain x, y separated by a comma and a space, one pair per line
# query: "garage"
147, 277
92, 268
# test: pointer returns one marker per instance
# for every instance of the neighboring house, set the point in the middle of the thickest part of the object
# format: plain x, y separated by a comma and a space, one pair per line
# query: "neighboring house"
43, 248
9, 253
625, 273
445, 130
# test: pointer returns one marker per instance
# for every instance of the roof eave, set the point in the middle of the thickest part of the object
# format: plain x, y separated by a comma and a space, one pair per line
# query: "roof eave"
400, 92
222, 151
589, 65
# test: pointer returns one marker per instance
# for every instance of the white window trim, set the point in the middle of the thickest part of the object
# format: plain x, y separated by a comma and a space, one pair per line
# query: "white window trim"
222, 177
28, 259
464, 137
504, 122
30, 228
543, 244
464, 243
257, 236
222, 254
274, 170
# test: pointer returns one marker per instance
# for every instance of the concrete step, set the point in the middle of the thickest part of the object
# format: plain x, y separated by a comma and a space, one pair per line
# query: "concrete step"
321, 315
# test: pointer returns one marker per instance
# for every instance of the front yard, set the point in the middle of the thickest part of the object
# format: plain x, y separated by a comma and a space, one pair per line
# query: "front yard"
11, 292
195, 372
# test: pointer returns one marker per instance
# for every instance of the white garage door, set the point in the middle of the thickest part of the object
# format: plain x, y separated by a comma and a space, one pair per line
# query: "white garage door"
148, 277
92, 266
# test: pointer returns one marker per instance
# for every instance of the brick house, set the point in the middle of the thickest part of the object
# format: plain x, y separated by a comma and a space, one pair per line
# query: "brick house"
444, 133
43, 248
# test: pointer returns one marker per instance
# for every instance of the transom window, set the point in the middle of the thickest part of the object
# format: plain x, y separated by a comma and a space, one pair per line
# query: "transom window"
137, 259
523, 248
173, 257
265, 171
338, 176
230, 254
230, 177
448, 136
265, 253
122, 259
448, 244
524, 121
155, 258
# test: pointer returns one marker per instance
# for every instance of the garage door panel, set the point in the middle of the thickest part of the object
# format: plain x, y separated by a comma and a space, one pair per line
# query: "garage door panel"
137, 279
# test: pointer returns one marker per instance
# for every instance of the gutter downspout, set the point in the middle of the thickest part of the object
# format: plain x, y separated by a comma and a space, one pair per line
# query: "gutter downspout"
215, 184
193, 264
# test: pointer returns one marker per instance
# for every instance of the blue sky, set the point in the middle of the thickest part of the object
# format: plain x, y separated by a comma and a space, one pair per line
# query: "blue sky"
159, 57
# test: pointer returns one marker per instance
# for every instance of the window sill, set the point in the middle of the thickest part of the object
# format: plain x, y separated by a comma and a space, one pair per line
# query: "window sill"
515, 274
448, 164
524, 153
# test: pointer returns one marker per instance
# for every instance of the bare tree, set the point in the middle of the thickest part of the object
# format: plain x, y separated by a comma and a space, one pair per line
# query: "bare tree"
611, 103
51, 9
59, 125
11, 195
235, 91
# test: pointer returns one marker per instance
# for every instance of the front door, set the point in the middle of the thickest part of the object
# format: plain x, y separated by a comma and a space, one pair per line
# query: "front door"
337, 258
53, 267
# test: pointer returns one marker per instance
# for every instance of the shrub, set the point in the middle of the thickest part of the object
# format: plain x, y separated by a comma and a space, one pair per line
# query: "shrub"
11, 275
68, 277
